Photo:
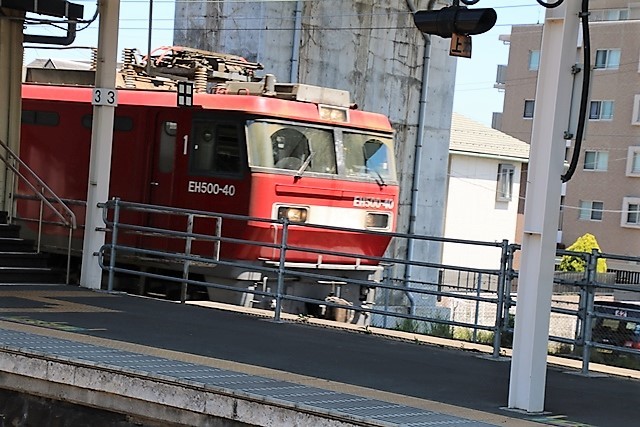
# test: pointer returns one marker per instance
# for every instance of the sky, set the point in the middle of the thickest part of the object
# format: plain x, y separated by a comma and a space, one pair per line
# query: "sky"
475, 97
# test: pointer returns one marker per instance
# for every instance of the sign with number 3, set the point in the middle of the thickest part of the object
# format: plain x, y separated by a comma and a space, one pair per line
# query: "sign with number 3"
102, 96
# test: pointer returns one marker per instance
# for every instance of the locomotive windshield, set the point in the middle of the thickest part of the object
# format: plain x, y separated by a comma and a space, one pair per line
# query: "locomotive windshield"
307, 149
279, 146
365, 155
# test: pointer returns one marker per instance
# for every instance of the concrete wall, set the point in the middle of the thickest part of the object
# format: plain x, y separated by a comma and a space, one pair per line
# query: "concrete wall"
372, 50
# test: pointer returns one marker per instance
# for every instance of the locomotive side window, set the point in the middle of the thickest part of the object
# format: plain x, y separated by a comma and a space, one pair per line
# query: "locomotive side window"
292, 147
40, 118
215, 148
368, 156
120, 123
166, 158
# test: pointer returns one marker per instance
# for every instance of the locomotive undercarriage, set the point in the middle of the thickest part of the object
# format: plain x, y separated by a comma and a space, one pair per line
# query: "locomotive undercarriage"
333, 292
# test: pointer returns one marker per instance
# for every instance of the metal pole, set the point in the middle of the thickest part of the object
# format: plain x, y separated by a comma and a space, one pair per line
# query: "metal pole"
280, 288
186, 263
40, 216
114, 241
149, 37
477, 315
69, 254
500, 307
588, 314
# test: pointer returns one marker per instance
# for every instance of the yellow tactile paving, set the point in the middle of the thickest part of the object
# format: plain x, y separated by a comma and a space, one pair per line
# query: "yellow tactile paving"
50, 298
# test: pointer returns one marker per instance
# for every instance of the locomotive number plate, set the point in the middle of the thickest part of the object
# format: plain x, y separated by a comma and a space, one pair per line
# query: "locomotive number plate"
103, 96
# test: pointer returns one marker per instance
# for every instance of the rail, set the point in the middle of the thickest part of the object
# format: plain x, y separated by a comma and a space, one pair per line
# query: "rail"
462, 302
45, 196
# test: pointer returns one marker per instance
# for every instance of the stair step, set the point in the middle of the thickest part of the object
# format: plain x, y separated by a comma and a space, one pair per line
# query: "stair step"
30, 275
12, 244
9, 230
19, 261
24, 259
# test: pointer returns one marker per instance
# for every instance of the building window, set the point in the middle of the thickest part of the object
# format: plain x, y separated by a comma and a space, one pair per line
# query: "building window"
504, 189
609, 15
607, 59
534, 60
635, 116
601, 110
633, 161
596, 160
529, 105
590, 210
630, 212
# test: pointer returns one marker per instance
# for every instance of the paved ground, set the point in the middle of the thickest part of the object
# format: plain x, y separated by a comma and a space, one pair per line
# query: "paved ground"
446, 380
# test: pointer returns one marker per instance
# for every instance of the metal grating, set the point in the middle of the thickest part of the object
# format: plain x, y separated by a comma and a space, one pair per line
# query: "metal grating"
310, 397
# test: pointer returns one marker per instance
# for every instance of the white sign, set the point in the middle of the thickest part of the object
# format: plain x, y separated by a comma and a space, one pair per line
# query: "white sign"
185, 94
103, 96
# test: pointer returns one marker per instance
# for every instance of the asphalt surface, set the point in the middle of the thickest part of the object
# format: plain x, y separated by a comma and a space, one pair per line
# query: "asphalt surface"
464, 379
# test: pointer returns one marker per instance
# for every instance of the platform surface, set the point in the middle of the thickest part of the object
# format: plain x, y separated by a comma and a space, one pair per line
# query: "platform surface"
364, 375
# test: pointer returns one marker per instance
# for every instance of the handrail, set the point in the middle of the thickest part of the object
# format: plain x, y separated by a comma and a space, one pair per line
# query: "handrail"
9, 158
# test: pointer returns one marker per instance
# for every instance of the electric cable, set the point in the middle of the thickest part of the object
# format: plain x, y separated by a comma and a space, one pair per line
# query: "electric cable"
550, 5
586, 48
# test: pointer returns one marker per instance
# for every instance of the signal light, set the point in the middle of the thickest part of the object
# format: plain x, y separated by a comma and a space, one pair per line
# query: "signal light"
455, 20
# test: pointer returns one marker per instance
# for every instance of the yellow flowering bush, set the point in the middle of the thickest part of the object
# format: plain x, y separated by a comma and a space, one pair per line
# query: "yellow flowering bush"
586, 243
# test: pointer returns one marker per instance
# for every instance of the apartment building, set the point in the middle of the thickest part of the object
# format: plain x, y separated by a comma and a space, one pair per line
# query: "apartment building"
603, 197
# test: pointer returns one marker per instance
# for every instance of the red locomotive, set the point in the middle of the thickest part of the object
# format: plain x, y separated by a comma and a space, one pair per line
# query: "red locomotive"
247, 146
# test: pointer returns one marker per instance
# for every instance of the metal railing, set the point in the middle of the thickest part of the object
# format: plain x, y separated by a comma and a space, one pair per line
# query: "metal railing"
463, 302
42, 193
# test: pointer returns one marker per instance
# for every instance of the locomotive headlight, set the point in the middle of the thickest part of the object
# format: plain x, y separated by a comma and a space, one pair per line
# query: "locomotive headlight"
335, 114
296, 214
376, 220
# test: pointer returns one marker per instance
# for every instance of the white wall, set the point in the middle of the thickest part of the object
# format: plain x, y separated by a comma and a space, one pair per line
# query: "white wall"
472, 212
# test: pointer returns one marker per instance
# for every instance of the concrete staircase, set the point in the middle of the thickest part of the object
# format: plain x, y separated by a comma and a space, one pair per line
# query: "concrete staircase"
19, 260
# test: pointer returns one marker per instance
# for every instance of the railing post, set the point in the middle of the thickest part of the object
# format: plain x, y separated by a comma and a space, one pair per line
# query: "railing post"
591, 270
386, 280
40, 215
477, 314
506, 259
13, 205
69, 255
280, 288
114, 240
186, 263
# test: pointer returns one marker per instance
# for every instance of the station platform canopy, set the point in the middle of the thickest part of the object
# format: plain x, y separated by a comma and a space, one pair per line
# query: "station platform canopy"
57, 8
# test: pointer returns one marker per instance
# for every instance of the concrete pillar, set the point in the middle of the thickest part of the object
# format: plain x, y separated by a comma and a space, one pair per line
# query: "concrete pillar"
542, 207
101, 142
11, 39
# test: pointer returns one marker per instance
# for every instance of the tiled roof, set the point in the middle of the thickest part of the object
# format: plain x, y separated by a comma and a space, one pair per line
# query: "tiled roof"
473, 138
